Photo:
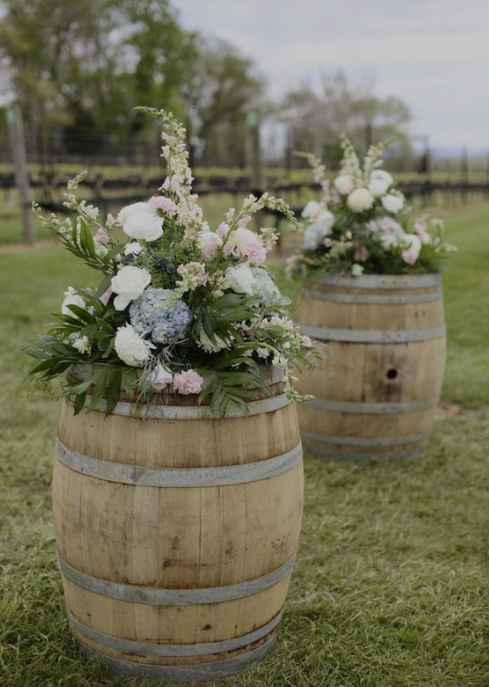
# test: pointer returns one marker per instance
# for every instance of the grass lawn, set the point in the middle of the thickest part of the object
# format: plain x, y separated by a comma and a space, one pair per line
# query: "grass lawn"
392, 585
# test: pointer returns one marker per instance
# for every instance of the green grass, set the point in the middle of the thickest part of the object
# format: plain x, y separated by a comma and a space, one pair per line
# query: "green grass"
391, 589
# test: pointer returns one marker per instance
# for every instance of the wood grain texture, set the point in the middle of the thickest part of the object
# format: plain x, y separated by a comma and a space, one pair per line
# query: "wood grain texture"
372, 373
177, 538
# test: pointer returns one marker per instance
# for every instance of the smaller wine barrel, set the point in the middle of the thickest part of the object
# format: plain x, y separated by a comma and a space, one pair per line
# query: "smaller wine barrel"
177, 532
382, 343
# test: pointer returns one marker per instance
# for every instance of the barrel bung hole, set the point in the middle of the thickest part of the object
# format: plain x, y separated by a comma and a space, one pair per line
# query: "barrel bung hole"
391, 373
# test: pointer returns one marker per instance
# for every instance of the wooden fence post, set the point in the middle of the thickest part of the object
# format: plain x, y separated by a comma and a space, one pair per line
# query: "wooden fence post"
16, 127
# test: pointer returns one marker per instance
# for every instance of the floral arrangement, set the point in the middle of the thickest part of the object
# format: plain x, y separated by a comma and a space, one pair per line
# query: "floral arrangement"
362, 224
180, 308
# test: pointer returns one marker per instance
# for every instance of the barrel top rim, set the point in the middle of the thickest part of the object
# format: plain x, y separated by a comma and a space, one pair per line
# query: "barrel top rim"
382, 281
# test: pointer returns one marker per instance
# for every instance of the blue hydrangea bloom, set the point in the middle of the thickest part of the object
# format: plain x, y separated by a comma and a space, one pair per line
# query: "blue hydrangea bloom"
158, 315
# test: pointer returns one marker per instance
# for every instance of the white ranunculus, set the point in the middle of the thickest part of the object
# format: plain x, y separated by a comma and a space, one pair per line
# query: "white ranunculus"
344, 184
141, 221
311, 210
393, 203
129, 283
360, 200
240, 279
71, 298
380, 182
130, 347
161, 378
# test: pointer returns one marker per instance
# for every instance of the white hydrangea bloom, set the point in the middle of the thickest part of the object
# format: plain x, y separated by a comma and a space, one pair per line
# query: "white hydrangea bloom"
129, 283
130, 347
311, 210
240, 279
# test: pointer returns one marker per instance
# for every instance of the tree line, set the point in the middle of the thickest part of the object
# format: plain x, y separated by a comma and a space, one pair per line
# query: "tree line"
78, 69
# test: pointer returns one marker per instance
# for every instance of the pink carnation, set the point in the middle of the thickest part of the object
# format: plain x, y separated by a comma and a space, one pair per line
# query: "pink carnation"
162, 203
189, 382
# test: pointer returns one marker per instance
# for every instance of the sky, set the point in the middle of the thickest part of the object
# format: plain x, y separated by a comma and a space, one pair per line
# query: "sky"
434, 54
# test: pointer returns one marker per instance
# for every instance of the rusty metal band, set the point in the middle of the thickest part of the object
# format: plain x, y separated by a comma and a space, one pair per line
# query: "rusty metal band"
128, 646
188, 673
143, 476
156, 596
382, 281
377, 299
168, 412
374, 336
370, 408
365, 441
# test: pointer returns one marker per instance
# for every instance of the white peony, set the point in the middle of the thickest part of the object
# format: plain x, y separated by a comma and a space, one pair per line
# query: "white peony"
141, 221
380, 182
133, 248
130, 347
129, 283
161, 378
240, 279
344, 184
393, 203
360, 200
71, 298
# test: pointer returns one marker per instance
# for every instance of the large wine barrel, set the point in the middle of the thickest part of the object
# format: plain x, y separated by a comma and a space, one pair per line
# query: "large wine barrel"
382, 340
177, 533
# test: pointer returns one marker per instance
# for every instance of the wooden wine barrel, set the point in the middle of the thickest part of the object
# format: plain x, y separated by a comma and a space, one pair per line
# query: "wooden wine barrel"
382, 340
177, 533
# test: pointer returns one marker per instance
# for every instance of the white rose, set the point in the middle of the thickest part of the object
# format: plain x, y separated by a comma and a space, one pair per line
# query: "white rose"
413, 247
380, 182
240, 279
141, 221
129, 283
360, 200
161, 378
71, 298
133, 248
311, 210
344, 184
130, 347
393, 203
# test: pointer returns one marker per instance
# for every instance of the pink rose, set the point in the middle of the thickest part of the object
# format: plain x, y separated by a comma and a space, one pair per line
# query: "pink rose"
161, 378
244, 243
101, 236
162, 203
209, 244
189, 382
361, 254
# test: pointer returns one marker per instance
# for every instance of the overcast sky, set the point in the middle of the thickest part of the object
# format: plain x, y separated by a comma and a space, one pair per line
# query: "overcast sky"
432, 53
